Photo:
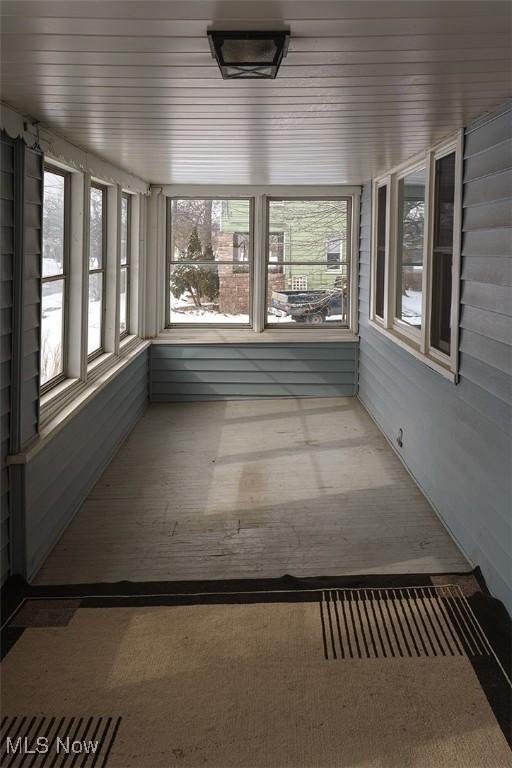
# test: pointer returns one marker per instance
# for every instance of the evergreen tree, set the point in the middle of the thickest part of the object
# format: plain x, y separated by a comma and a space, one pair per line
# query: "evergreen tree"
199, 280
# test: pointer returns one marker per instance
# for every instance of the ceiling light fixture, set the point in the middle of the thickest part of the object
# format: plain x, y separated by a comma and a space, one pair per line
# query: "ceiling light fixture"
251, 55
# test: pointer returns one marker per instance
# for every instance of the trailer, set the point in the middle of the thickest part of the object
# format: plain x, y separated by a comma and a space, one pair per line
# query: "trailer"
314, 306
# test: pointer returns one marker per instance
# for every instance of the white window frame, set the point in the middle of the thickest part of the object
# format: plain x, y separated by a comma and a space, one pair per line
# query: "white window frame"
295, 327
169, 261
127, 266
400, 326
417, 341
65, 276
84, 371
103, 270
374, 317
259, 195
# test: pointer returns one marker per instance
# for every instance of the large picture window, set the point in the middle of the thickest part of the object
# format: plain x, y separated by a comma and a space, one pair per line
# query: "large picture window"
209, 261
416, 255
54, 276
97, 267
308, 239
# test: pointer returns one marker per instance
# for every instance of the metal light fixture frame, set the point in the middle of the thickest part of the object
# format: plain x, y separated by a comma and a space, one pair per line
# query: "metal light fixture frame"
250, 70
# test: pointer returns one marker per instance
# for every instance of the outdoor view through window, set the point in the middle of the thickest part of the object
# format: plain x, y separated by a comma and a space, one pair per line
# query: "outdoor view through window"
411, 219
210, 269
308, 261
54, 278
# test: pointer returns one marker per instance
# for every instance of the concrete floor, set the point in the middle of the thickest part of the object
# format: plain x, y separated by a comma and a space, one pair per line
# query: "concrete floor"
246, 489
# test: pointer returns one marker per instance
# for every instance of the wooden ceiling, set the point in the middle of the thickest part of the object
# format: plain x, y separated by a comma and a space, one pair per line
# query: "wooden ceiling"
364, 86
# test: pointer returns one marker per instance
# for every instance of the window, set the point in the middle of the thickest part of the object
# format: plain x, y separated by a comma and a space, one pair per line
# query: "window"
276, 252
380, 267
416, 255
442, 253
409, 263
207, 238
97, 264
240, 252
124, 274
317, 253
54, 276
333, 252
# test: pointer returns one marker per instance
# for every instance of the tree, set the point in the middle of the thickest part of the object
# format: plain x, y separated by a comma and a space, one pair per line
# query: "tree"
200, 280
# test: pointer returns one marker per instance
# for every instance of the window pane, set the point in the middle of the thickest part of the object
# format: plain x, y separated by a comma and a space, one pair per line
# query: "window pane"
53, 224
309, 230
241, 252
308, 261
411, 208
209, 293
333, 252
123, 300
204, 229
442, 256
95, 312
275, 251
381, 251
96, 229
444, 201
125, 204
52, 328
307, 294
210, 248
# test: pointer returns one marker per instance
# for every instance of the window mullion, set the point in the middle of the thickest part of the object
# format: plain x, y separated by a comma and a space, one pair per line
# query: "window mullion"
259, 251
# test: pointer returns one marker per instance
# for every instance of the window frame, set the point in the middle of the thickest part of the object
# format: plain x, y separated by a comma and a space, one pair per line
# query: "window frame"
103, 270
65, 276
405, 336
384, 182
238, 263
349, 262
160, 326
169, 235
339, 263
127, 266
399, 325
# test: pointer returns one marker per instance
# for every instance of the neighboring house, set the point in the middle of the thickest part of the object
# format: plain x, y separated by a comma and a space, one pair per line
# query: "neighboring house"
294, 242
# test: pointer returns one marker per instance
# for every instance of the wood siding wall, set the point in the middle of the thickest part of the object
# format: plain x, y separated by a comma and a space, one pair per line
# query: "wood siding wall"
253, 370
6, 318
59, 477
457, 438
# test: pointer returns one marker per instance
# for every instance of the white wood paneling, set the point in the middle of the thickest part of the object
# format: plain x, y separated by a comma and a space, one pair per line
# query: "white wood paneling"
364, 86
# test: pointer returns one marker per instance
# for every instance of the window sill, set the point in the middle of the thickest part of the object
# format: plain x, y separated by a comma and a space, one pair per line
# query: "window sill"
268, 336
63, 402
410, 346
98, 365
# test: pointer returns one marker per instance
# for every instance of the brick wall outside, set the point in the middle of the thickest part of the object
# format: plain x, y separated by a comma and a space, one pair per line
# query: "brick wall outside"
234, 285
